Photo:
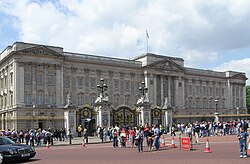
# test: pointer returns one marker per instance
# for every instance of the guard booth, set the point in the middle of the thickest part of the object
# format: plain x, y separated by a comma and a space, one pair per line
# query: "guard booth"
86, 118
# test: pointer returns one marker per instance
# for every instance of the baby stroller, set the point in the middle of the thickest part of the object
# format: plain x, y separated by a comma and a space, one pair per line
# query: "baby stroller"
123, 141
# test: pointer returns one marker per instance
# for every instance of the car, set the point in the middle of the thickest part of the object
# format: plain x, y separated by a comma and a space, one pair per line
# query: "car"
10, 151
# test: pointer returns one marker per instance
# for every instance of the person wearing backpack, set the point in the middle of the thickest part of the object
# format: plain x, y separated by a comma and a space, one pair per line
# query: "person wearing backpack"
242, 137
139, 137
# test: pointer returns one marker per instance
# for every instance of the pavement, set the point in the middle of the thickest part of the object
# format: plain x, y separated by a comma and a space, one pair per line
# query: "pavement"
78, 141
96, 140
223, 150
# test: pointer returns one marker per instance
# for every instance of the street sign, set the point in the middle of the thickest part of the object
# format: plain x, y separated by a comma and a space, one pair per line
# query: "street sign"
185, 143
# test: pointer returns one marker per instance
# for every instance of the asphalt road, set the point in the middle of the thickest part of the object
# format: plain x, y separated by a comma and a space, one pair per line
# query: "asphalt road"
225, 150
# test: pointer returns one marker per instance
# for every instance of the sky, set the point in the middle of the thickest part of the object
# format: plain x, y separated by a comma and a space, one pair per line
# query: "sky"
212, 34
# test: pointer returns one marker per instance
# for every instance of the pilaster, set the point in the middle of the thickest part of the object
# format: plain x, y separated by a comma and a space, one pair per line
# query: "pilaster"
59, 86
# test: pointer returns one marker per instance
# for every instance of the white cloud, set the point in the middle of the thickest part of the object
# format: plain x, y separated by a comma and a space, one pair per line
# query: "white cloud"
117, 27
237, 65
193, 58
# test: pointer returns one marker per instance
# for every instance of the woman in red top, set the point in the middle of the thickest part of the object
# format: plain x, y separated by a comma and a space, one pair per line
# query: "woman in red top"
132, 136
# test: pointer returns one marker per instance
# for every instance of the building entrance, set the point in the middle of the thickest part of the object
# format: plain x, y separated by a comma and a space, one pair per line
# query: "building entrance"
124, 116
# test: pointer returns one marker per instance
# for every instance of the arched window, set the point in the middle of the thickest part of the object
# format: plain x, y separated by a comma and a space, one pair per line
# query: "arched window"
116, 100
127, 100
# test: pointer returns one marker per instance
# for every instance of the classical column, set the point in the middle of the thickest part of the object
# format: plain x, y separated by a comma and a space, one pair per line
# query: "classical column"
73, 84
34, 76
176, 96
183, 93
46, 91
229, 95
59, 86
154, 90
169, 90
162, 90
244, 97
20, 83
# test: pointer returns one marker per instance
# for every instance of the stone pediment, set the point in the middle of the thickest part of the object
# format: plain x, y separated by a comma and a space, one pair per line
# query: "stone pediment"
240, 76
41, 50
165, 65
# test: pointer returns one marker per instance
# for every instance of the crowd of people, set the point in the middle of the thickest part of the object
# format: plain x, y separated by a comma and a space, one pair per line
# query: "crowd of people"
36, 137
136, 136
150, 135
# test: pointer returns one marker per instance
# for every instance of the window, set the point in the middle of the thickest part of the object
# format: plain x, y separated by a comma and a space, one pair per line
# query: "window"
1, 101
11, 98
51, 99
116, 101
27, 99
11, 79
80, 81
1, 83
39, 98
80, 99
51, 80
127, 100
93, 98
197, 90
27, 78
127, 86
5, 81
39, 79
116, 85
66, 82
5, 100
92, 83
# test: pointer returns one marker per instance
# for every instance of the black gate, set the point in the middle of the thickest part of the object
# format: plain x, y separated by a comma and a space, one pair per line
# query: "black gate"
124, 116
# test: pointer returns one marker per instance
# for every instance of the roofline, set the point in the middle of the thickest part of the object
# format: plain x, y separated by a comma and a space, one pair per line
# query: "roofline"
155, 55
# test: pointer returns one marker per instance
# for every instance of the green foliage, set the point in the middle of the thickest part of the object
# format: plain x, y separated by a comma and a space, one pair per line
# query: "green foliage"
248, 98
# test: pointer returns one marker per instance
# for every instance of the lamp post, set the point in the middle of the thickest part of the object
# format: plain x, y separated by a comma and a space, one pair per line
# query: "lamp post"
143, 106
102, 87
216, 106
102, 106
216, 114
237, 110
143, 89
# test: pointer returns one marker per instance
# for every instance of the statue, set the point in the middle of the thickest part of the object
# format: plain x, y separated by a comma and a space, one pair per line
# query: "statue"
146, 99
98, 99
101, 98
69, 101
140, 100
143, 99
166, 104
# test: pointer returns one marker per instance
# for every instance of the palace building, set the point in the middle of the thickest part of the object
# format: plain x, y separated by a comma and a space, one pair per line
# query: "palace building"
36, 79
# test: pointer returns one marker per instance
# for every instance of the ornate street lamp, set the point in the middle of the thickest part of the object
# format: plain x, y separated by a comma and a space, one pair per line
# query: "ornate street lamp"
216, 106
102, 87
143, 89
237, 110
216, 114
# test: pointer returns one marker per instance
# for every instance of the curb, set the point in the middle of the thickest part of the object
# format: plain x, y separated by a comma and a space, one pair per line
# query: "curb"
67, 144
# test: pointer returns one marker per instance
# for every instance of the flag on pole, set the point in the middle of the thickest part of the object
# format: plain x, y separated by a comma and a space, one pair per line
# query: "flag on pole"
147, 34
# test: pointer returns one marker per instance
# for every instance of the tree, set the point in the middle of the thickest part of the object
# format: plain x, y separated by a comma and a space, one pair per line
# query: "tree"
248, 98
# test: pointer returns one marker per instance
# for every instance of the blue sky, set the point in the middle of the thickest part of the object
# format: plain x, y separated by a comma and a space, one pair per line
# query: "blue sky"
206, 34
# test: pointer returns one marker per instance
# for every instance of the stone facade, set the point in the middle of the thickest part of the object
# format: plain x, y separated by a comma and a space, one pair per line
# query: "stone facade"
36, 79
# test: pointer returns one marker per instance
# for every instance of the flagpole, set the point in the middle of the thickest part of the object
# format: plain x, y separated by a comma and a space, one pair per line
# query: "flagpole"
147, 43
147, 37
